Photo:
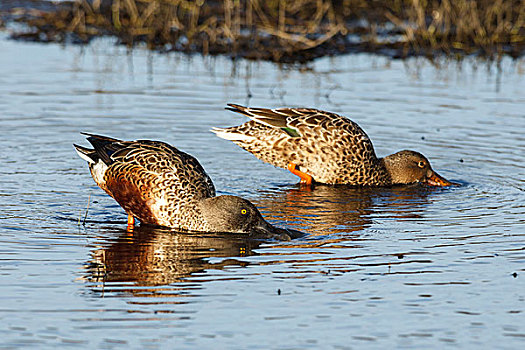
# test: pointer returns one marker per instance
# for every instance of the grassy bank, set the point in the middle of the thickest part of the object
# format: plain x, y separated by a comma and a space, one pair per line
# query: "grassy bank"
292, 30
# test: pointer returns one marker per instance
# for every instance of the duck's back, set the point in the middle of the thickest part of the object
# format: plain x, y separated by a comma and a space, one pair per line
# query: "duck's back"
152, 181
329, 147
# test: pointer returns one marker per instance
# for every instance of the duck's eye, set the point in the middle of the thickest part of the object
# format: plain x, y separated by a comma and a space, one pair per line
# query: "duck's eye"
243, 211
421, 164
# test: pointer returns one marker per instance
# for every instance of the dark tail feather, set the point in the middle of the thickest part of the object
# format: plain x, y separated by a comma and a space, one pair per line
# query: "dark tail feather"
89, 155
103, 146
237, 108
269, 117
100, 137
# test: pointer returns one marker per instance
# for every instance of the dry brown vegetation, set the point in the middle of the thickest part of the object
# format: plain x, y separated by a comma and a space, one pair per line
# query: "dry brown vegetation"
292, 30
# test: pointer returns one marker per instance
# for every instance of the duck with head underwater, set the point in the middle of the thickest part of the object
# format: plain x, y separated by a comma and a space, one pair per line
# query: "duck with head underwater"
160, 185
324, 147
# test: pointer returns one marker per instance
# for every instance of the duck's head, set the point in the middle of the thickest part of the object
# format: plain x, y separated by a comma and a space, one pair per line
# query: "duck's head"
406, 167
237, 215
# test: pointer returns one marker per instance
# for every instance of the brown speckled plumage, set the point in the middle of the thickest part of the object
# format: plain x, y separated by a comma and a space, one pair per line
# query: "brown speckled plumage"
329, 147
160, 185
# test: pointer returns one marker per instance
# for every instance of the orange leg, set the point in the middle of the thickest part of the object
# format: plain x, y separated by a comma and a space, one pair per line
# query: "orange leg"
305, 178
131, 223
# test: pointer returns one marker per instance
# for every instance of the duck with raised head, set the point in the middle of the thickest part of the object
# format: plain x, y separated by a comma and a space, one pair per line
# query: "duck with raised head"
324, 147
160, 185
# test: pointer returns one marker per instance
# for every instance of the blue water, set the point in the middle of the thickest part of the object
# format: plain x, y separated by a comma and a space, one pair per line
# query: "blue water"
408, 267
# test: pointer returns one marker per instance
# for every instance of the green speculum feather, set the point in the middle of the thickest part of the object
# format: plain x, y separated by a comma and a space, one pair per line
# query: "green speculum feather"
291, 131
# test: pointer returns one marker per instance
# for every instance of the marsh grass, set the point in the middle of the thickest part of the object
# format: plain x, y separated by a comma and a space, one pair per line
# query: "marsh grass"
298, 30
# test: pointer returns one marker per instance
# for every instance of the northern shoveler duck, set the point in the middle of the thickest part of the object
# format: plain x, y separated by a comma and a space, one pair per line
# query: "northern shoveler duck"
324, 147
160, 185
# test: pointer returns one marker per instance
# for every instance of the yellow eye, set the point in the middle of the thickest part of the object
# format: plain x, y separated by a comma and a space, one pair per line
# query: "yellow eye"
243, 211
421, 164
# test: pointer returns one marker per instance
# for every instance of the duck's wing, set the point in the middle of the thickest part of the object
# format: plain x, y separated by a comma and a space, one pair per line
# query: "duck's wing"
287, 120
322, 143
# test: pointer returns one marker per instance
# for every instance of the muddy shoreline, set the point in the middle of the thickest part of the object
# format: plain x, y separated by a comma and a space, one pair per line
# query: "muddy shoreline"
280, 31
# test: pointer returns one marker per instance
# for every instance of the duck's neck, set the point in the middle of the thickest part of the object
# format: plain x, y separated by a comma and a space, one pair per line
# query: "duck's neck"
394, 169
208, 210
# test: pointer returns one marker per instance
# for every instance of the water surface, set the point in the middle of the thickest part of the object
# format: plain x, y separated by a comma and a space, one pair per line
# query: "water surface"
405, 267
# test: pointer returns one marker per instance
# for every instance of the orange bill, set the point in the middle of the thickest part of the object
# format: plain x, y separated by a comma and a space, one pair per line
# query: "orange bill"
437, 180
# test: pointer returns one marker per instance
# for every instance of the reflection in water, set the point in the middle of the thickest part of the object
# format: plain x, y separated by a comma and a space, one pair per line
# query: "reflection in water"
323, 210
158, 256
152, 256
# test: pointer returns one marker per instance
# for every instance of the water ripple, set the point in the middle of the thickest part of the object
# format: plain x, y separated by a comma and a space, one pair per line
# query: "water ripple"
405, 266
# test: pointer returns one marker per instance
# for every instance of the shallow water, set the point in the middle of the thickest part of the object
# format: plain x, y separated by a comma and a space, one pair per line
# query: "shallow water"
408, 267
